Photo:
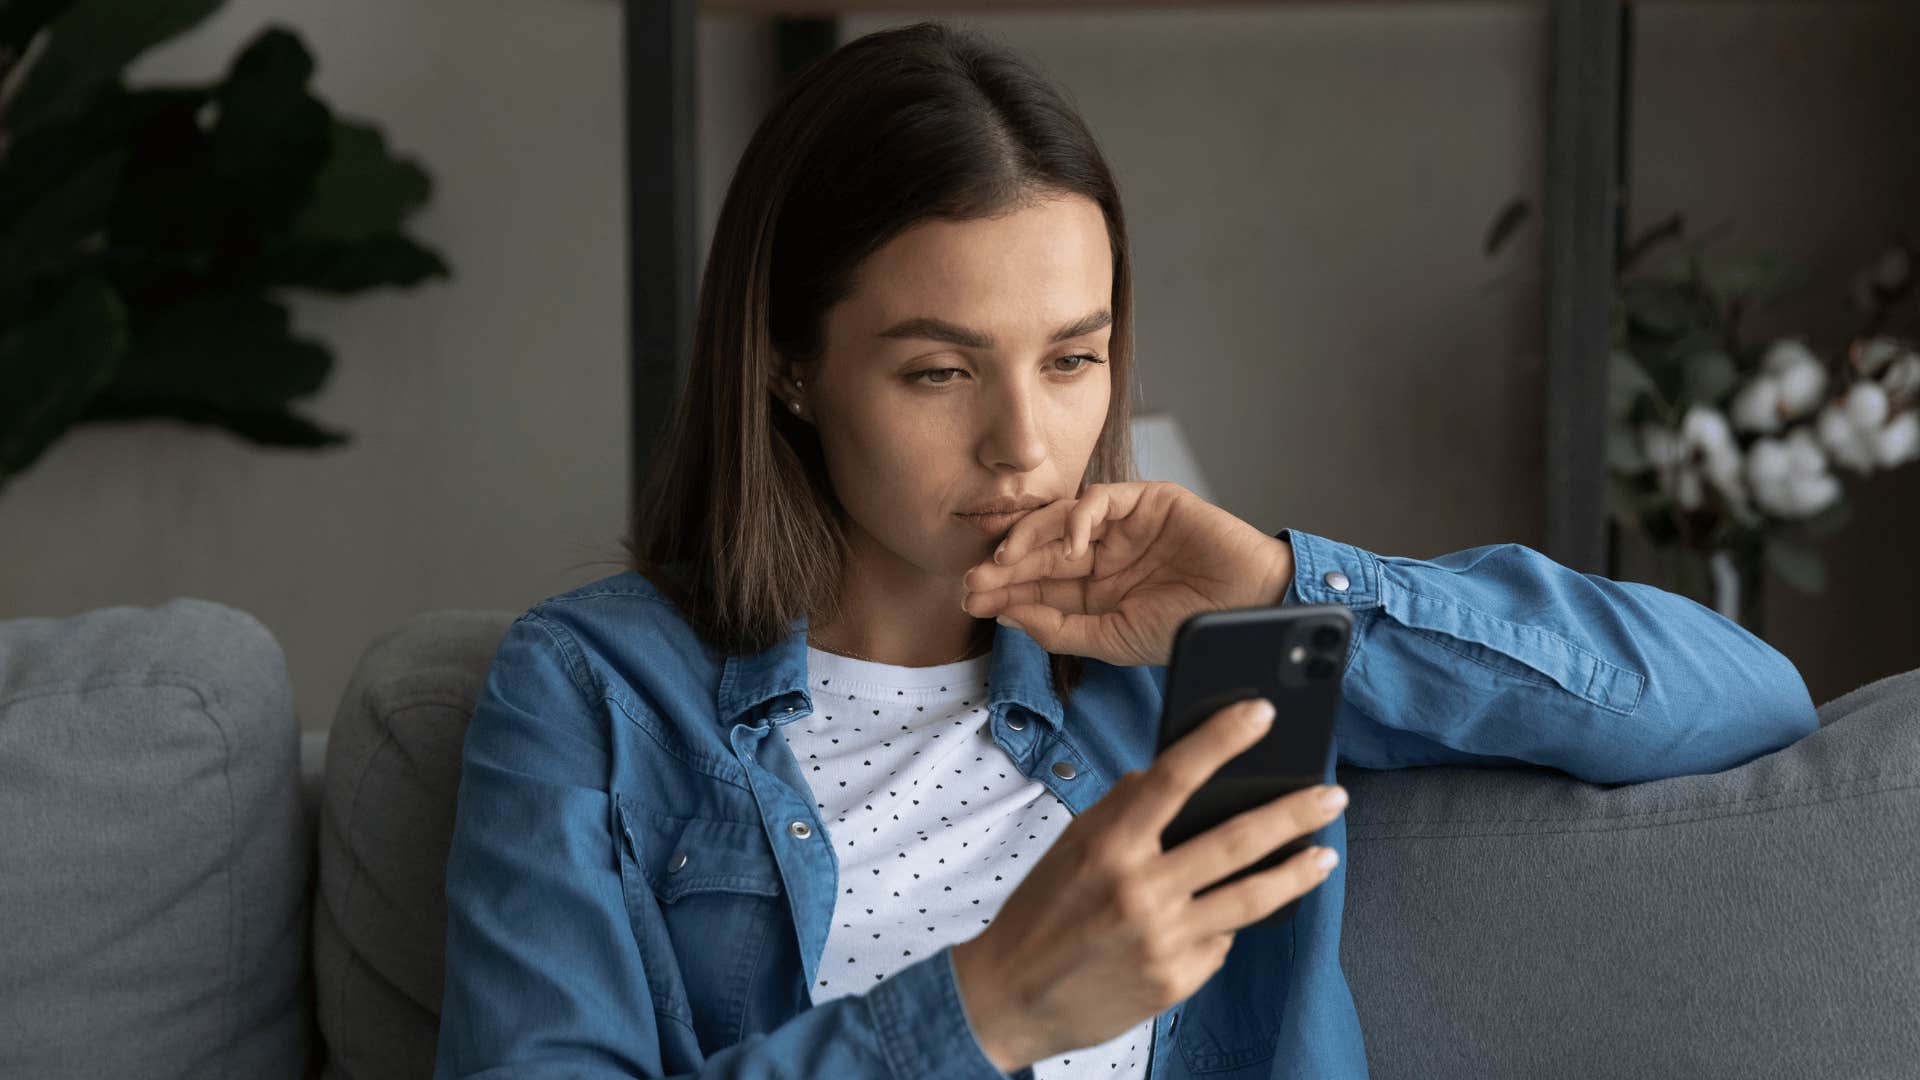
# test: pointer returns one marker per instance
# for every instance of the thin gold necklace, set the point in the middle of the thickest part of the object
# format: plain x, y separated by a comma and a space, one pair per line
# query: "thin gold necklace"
971, 650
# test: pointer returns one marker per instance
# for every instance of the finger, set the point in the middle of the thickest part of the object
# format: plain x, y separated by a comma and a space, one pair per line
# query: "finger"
1036, 528
1247, 837
1256, 896
1179, 770
1061, 632
1064, 594
1088, 512
1048, 560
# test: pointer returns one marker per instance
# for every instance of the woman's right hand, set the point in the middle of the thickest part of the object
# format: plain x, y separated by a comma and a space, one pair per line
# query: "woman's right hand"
1105, 930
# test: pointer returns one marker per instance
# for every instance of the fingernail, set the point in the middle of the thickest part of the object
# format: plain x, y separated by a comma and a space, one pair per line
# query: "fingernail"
1326, 859
1334, 797
1262, 713
999, 551
1003, 620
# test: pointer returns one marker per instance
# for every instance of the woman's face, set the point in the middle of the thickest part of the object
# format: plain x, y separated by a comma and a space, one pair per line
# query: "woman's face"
969, 367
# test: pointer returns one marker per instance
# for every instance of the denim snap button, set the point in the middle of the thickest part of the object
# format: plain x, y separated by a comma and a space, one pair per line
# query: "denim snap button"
1017, 725
800, 829
1337, 581
1064, 770
679, 860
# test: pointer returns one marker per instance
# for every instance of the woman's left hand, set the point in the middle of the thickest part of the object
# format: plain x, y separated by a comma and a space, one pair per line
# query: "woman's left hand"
1112, 574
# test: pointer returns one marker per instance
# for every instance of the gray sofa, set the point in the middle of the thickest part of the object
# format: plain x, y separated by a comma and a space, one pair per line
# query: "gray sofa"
173, 907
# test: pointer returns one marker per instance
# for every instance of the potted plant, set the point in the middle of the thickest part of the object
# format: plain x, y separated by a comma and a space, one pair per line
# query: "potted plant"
146, 235
1726, 453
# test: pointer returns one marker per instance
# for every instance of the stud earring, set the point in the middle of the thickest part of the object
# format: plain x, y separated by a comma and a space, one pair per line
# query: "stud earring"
796, 406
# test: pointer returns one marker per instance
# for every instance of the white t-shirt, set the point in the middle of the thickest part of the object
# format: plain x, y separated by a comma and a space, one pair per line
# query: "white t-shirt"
932, 823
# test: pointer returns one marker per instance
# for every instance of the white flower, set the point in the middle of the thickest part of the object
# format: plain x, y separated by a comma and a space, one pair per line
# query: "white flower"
1900, 440
1706, 430
1802, 378
1702, 451
1856, 429
1706, 427
1756, 405
1903, 377
1866, 405
1789, 476
1847, 443
1872, 355
1791, 382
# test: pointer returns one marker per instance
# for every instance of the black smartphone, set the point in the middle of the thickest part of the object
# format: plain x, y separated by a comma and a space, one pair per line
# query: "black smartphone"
1294, 657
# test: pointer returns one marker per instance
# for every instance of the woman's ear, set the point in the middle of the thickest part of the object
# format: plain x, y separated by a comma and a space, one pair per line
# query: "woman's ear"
789, 385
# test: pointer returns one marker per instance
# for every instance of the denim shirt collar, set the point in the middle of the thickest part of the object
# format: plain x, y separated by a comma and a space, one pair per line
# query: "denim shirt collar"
773, 681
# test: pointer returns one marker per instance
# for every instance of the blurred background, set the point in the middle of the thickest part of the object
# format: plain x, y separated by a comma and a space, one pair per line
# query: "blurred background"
379, 359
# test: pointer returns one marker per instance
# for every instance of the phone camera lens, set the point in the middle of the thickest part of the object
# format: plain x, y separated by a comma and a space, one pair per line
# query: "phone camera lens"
1326, 637
1319, 668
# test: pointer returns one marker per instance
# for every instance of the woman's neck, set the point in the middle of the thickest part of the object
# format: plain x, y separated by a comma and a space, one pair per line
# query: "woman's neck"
903, 616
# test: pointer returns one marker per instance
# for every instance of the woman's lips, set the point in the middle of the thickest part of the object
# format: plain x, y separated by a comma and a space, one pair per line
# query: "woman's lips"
994, 522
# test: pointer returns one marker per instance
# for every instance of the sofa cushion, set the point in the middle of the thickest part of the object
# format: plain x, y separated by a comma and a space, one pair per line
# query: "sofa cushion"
155, 858
392, 777
1517, 922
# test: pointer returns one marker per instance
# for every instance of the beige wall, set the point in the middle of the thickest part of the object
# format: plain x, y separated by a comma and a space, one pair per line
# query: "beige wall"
1307, 188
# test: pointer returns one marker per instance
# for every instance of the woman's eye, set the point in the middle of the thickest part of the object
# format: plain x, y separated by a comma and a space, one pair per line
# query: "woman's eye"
926, 376
1088, 358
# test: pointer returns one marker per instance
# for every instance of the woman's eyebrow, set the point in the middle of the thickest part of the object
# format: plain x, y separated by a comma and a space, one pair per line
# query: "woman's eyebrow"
941, 330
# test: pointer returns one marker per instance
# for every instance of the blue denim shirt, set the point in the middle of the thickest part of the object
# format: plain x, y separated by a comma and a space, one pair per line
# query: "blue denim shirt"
609, 737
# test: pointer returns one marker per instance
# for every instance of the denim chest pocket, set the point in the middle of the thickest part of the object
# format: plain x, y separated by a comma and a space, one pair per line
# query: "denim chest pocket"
703, 895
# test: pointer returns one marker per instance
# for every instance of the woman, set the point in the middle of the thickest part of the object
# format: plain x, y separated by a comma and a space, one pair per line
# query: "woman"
833, 782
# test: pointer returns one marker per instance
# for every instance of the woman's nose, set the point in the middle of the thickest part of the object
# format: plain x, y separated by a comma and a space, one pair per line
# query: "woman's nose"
1015, 432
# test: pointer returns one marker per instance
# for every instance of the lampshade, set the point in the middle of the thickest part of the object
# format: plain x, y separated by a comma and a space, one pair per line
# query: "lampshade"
1160, 452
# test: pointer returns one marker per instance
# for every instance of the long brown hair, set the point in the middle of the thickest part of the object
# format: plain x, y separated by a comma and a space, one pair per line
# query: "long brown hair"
737, 521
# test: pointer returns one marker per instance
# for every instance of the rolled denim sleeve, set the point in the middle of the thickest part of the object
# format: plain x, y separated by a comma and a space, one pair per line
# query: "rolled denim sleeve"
1499, 654
544, 977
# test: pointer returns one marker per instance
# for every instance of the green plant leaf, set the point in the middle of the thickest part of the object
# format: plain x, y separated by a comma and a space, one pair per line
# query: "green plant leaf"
89, 43
20, 22
170, 200
47, 234
1806, 531
52, 367
1627, 383
1709, 376
1631, 499
39, 162
1510, 218
1657, 306
347, 267
1752, 281
1654, 236
230, 351
1798, 565
271, 137
363, 191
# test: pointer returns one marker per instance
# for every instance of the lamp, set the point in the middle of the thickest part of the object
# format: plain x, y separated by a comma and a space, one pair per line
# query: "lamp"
1160, 452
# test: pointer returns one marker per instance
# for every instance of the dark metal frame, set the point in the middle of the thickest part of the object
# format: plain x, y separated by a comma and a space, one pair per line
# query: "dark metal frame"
662, 255
1590, 51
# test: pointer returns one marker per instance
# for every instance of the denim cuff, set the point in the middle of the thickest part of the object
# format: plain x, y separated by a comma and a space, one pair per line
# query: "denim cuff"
1319, 564
923, 1026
